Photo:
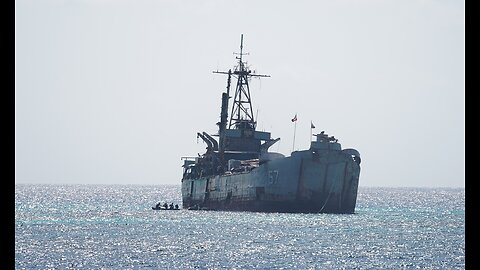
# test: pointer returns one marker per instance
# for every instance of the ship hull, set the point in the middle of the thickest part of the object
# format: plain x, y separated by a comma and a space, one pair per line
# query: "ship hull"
305, 182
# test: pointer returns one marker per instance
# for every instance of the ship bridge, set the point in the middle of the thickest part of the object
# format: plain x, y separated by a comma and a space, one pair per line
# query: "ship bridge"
245, 140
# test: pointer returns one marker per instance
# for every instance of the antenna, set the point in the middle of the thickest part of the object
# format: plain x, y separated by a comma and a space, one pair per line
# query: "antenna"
241, 51
241, 47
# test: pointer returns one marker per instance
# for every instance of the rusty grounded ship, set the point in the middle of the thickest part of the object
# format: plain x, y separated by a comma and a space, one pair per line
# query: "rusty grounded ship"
239, 173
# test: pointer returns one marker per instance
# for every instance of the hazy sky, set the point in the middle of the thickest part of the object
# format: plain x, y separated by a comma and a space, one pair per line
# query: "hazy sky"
115, 91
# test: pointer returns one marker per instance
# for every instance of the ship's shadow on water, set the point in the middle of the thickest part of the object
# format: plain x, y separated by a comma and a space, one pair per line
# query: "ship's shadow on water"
114, 227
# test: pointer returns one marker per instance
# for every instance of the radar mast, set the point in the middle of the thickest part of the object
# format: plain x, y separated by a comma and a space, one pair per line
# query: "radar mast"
241, 116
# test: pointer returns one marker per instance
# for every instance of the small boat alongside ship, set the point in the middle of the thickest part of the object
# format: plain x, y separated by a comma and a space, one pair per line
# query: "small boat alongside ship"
165, 206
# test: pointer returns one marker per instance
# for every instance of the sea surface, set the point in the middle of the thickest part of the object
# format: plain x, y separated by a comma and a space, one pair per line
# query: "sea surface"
114, 227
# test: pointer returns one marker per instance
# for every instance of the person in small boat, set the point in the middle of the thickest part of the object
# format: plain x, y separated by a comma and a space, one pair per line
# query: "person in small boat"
157, 205
171, 206
165, 205
176, 206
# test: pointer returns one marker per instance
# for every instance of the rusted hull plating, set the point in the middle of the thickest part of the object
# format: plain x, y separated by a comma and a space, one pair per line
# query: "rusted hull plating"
306, 182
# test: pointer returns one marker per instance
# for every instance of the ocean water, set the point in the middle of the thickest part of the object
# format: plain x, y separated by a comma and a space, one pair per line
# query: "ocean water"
114, 227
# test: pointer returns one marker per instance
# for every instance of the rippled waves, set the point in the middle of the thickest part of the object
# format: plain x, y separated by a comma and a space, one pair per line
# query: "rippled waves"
113, 227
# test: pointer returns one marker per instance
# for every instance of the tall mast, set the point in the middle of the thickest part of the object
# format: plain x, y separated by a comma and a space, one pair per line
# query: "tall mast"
241, 116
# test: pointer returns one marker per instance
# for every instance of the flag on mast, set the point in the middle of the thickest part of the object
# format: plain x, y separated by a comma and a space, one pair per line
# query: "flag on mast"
311, 125
294, 118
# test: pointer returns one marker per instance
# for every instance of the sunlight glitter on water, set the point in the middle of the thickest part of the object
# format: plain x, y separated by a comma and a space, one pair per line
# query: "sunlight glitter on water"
113, 227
